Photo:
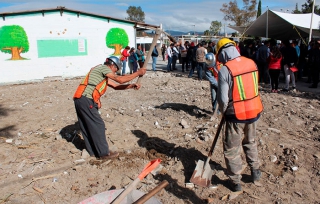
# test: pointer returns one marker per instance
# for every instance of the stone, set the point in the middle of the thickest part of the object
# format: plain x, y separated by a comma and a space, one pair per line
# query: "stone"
74, 151
273, 158
157, 170
84, 154
187, 137
18, 142
317, 155
184, 124
58, 137
128, 151
79, 161
9, 141
274, 130
189, 185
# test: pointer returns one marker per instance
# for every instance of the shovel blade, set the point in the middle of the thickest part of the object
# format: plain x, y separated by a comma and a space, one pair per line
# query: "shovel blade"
202, 174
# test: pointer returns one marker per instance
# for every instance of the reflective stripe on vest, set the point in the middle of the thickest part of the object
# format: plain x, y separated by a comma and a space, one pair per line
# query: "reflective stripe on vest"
246, 100
98, 91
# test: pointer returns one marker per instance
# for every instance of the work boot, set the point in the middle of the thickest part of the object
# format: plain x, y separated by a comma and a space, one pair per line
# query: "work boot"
235, 186
256, 174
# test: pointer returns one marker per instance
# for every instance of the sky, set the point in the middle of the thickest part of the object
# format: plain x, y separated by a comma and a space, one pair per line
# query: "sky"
179, 15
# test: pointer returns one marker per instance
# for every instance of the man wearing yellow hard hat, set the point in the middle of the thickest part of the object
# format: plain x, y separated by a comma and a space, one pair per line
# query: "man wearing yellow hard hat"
240, 103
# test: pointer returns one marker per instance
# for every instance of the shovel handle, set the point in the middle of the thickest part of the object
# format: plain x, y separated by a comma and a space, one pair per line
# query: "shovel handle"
216, 136
147, 196
126, 191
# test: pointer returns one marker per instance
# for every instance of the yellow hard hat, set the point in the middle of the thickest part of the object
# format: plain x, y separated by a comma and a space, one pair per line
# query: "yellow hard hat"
223, 42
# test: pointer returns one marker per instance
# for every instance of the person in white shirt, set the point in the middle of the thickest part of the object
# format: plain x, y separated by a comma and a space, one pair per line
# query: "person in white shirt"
175, 55
169, 53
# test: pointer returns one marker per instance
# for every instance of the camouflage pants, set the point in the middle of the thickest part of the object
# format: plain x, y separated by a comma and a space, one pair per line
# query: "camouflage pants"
232, 143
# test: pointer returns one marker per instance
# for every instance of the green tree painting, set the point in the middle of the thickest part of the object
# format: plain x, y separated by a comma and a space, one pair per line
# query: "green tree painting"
13, 40
117, 38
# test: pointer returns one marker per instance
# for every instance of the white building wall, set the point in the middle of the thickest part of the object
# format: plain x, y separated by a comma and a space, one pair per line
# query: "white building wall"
53, 26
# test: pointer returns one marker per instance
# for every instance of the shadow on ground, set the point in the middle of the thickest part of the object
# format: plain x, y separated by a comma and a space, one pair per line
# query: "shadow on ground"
189, 109
6, 131
188, 158
71, 133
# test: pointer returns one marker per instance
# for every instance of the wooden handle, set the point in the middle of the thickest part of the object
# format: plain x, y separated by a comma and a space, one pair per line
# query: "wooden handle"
154, 43
126, 191
216, 136
147, 196
147, 169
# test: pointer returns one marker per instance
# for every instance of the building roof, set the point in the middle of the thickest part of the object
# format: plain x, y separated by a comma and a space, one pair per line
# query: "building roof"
282, 25
140, 26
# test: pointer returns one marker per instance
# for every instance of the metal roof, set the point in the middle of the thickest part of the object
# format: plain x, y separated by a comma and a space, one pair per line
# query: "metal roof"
140, 26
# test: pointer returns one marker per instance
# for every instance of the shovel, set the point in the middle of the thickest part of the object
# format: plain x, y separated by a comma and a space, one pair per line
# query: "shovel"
147, 169
203, 172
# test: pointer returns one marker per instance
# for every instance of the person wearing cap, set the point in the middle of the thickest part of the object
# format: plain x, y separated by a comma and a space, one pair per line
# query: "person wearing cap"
240, 103
87, 102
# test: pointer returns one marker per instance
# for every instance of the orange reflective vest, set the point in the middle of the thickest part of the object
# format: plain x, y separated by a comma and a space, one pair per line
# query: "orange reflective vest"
98, 91
246, 99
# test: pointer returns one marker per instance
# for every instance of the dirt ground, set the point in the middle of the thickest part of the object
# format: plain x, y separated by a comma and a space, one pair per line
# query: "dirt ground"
42, 163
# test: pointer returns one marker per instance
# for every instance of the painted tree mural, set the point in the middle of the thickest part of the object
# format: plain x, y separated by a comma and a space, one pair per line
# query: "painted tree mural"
117, 38
13, 40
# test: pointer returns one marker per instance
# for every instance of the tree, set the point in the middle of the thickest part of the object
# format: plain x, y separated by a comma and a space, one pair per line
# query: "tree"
259, 9
117, 38
307, 7
241, 17
296, 10
215, 27
135, 14
13, 40
206, 33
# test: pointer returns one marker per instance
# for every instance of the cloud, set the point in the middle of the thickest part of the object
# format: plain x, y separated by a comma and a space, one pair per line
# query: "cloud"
123, 4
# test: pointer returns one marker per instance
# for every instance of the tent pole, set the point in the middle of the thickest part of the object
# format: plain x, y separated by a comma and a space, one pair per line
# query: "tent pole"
267, 22
310, 32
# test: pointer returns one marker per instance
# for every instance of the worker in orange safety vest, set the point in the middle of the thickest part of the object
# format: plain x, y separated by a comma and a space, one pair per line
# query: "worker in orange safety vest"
87, 102
239, 101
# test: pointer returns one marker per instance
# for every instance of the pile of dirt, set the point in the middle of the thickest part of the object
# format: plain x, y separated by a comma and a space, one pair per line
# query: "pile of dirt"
43, 159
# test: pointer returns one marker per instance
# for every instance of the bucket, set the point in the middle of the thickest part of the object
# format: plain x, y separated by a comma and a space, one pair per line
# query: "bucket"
108, 196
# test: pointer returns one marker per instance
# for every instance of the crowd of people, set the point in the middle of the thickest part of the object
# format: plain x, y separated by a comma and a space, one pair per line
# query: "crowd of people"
272, 58
134, 57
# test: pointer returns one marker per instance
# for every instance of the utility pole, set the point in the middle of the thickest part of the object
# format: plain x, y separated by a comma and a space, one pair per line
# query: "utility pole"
310, 32
267, 22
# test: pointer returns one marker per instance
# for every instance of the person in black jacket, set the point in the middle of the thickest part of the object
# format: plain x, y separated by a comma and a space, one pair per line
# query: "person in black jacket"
192, 54
262, 56
314, 58
290, 59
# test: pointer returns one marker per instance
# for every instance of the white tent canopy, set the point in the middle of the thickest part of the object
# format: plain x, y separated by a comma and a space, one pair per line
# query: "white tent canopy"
282, 25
